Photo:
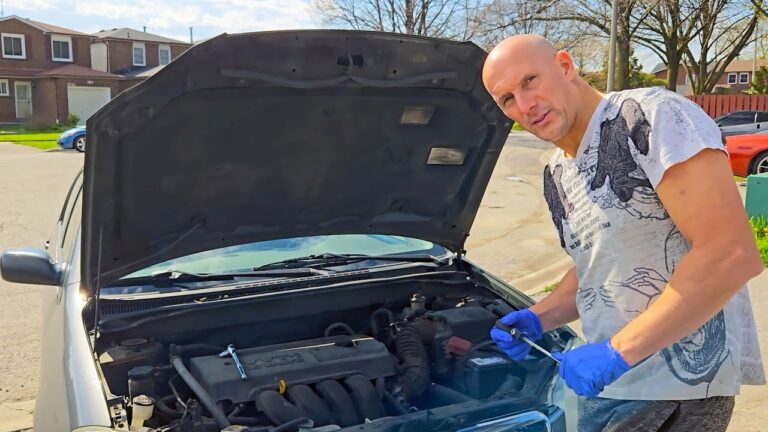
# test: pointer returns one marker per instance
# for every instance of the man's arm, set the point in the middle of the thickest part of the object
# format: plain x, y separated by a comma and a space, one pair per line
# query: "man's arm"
703, 201
559, 308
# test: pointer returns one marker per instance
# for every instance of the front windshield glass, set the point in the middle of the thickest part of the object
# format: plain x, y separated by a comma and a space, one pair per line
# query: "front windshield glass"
247, 256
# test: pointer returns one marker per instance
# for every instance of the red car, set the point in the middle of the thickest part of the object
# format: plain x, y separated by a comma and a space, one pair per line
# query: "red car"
748, 154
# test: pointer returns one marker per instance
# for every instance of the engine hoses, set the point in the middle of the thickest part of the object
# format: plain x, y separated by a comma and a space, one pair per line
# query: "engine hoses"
205, 399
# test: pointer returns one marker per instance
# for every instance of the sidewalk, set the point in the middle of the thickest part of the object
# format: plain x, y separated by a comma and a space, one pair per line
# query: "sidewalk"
16, 416
750, 414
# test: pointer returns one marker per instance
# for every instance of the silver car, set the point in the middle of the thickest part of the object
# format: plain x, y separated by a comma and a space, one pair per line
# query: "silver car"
742, 122
268, 235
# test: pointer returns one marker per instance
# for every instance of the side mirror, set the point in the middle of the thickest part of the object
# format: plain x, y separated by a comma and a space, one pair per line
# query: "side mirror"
29, 266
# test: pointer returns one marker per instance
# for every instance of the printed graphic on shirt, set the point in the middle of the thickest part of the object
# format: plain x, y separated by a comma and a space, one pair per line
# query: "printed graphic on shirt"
697, 358
614, 157
559, 207
639, 291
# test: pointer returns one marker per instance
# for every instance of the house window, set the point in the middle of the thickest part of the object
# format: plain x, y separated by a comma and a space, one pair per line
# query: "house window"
61, 47
744, 78
164, 54
139, 54
14, 46
4, 87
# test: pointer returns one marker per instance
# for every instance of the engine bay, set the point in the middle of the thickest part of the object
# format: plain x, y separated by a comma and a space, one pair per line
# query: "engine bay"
424, 360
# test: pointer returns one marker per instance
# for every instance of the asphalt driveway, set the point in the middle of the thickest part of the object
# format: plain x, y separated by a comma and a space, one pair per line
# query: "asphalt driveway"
512, 236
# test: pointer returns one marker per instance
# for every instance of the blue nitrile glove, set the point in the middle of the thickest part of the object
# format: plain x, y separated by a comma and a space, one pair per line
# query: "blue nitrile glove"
524, 320
589, 368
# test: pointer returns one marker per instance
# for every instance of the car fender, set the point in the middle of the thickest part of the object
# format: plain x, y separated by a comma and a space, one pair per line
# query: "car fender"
71, 393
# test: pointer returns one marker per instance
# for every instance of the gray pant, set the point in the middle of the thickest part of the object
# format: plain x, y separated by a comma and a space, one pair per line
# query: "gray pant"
611, 415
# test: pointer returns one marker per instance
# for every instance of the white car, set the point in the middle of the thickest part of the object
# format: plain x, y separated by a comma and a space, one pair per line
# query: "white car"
268, 235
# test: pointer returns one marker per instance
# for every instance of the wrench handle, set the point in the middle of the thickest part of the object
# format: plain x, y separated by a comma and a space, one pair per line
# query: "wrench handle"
515, 333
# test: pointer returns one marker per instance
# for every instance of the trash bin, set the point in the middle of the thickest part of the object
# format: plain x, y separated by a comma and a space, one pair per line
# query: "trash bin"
757, 195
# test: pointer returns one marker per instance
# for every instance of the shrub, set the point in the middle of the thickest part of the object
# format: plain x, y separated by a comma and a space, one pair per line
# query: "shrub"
760, 230
72, 119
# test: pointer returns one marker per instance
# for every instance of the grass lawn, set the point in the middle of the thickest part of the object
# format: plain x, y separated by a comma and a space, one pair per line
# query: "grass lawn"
43, 140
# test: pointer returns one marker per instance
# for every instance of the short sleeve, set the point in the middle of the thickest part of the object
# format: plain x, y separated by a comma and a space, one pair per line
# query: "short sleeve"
679, 129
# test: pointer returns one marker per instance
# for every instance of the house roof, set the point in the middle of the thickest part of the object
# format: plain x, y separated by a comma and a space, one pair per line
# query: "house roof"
136, 35
142, 72
45, 27
745, 65
12, 72
658, 68
73, 70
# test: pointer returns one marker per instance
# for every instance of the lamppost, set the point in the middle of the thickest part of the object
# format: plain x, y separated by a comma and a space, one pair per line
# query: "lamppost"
612, 46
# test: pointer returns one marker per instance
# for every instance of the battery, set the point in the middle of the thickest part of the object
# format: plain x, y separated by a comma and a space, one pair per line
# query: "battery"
485, 372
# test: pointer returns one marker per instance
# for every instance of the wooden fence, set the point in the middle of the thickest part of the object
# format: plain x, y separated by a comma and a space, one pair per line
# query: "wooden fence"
717, 105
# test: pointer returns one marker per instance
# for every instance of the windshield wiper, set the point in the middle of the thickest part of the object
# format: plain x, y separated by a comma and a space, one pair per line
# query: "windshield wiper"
173, 276
330, 259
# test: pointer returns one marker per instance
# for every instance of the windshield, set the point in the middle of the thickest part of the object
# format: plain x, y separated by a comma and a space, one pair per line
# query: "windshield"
250, 255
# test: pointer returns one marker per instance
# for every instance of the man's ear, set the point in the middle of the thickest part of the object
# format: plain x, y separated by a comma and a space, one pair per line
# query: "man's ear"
565, 62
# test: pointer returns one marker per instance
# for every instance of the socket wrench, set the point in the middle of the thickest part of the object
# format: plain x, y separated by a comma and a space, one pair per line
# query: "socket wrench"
518, 335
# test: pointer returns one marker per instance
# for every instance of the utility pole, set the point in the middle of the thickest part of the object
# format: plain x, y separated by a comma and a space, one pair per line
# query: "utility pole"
754, 56
612, 48
191, 41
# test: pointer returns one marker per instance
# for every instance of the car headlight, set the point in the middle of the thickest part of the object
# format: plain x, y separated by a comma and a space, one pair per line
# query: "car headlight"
68, 133
95, 429
532, 420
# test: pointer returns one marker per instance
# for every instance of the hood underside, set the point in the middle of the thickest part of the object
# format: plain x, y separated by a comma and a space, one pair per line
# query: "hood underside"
260, 136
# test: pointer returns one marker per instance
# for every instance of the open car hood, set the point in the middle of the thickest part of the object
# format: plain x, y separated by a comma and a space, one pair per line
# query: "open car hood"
259, 136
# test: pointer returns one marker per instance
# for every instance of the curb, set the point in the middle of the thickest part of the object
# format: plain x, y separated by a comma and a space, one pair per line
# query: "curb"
16, 416
534, 283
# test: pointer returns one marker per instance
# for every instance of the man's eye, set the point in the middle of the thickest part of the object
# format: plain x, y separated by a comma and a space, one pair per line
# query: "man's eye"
506, 99
531, 78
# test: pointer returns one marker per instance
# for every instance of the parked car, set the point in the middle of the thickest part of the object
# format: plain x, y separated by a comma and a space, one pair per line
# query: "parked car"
742, 122
748, 154
277, 238
73, 139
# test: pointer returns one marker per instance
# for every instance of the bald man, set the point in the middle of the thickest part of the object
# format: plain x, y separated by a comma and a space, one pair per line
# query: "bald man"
644, 201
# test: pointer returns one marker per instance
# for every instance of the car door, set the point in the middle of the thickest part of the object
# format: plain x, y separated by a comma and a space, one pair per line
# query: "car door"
57, 398
61, 233
762, 121
738, 123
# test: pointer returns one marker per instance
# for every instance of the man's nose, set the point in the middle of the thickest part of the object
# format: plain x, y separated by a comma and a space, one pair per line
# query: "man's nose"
524, 102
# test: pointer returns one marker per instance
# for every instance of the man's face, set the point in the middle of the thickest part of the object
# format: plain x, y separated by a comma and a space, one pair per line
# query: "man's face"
533, 92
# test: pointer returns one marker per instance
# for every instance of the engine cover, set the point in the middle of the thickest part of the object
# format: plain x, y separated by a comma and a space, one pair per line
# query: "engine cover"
304, 362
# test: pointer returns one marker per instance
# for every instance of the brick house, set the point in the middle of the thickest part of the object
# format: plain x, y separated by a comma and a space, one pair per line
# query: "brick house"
735, 79
682, 87
133, 54
48, 72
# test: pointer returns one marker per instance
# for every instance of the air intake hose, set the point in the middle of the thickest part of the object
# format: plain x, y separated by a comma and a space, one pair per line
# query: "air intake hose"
414, 361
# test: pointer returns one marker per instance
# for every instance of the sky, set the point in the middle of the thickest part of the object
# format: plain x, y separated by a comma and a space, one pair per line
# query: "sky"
172, 18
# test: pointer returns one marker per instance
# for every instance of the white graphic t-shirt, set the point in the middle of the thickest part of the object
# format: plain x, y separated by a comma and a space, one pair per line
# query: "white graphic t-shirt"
625, 246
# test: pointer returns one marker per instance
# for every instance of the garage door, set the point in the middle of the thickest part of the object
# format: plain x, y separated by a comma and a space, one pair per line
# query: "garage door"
84, 101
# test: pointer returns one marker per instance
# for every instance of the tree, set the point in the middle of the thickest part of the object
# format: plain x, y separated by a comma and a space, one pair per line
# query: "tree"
726, 27
499, 19
638, 78
760, 81
597, 14
450, 19
668, 28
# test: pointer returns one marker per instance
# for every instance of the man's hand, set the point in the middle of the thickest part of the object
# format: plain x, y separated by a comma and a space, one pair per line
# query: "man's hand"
525, 321
589, 368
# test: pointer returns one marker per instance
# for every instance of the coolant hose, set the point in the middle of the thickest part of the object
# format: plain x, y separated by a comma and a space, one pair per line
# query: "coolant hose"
414, 361
205, 399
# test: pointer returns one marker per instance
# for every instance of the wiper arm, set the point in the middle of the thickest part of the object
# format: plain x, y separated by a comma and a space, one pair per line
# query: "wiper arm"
329, 259
173, 276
